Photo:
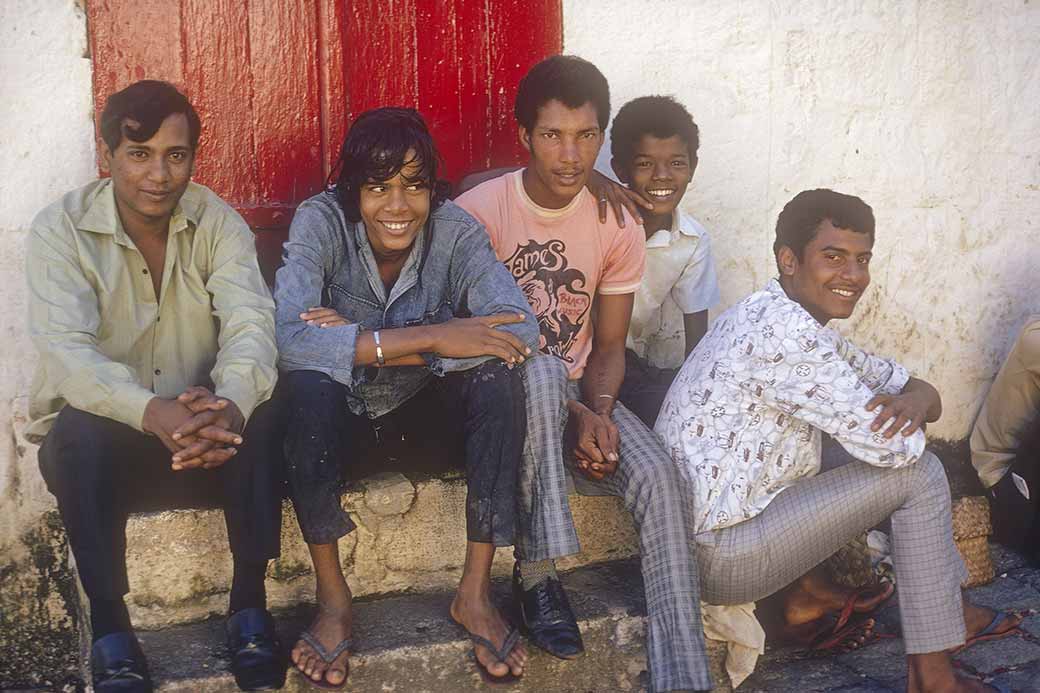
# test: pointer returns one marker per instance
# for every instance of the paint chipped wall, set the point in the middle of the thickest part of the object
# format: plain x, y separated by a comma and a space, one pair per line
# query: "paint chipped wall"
47, 137
927, 110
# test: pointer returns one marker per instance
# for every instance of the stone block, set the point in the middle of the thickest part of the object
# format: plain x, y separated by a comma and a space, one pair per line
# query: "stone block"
411, 536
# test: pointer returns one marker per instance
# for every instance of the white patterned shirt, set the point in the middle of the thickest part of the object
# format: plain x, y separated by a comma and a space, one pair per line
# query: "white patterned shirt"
743, 418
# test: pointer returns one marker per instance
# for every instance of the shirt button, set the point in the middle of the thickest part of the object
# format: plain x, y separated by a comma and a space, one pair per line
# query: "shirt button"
158, 372
144, 271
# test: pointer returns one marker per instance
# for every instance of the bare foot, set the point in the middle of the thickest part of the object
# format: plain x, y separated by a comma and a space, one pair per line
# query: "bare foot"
813, 596
330, 627
977, 619
479, 616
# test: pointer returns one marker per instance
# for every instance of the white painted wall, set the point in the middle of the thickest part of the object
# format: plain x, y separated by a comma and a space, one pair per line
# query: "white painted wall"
46, 149
928, 110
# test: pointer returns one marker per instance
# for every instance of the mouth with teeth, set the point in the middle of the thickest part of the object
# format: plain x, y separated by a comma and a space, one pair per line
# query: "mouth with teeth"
844, 293
396, 226
661, 192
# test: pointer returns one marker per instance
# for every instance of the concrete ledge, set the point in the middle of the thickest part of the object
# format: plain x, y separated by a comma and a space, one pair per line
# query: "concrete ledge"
410, 537
406, 643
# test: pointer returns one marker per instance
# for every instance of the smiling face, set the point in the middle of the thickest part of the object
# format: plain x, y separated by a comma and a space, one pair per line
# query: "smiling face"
150, 177
395, 210
832, 274
563, 145
660, 171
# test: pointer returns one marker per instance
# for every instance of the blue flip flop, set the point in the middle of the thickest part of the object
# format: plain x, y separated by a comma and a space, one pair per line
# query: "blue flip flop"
327, 657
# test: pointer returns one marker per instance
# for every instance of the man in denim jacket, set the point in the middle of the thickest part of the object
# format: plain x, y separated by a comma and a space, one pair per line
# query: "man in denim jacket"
388, 289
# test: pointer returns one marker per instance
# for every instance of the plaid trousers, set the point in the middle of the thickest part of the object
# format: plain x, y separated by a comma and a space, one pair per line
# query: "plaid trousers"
811, 520
649, 484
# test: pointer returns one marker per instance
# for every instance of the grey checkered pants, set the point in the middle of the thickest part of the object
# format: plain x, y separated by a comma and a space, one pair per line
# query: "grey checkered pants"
814, 518
649, 485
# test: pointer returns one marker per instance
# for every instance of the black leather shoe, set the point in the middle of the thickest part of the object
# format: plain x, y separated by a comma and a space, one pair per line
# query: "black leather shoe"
254, 650
119, 665
546, 617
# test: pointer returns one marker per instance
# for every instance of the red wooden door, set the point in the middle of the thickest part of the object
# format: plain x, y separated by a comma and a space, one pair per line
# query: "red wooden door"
276, 81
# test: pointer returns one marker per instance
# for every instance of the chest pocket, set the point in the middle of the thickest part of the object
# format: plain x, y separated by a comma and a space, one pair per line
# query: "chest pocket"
435, 315
355, 308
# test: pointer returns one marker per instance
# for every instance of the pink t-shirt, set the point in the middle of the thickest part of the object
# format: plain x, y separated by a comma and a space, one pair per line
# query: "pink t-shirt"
561, 258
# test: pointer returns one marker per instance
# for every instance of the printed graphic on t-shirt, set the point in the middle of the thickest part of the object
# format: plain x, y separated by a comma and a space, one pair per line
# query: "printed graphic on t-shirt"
554, 291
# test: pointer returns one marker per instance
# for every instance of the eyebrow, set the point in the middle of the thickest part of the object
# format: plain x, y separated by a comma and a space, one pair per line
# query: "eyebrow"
844, 251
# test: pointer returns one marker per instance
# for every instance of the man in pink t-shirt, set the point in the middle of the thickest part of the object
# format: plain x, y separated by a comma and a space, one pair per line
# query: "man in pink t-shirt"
580, 276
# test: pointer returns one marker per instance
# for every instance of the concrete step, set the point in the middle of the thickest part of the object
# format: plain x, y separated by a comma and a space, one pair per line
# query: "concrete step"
411, 536
406, 643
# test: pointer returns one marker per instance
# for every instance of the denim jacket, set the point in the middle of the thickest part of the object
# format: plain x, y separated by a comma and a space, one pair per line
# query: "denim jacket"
451, 272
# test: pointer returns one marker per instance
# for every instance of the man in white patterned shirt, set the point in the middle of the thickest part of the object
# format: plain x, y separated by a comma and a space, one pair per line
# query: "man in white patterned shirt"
743, 422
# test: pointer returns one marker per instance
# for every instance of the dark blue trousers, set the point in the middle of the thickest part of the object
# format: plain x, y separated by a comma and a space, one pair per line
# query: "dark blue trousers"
324, 440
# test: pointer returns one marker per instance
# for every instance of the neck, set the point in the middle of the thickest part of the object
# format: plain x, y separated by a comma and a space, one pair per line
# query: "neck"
140, 227
539, 194
785, 284
652, 223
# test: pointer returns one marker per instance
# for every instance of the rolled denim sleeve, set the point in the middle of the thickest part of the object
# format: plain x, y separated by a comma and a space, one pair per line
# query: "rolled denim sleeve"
245, 370
64, 320
481, 285
310, 256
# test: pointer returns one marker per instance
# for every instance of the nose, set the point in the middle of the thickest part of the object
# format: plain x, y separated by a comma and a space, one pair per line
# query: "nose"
395, 201
662, 171
856, 274
569, 150
159, 170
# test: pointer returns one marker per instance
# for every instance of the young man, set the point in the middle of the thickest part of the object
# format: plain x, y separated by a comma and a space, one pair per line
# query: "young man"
388, 290
653, 146
156, 338
743, 422
544, 225
1005, 444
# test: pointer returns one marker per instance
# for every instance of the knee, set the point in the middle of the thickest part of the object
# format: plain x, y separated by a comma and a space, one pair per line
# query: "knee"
314, 407
929, 477
77, 447
544, 374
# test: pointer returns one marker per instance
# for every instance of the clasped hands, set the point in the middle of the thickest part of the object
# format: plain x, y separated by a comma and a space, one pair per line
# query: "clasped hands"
199, 428
594, 441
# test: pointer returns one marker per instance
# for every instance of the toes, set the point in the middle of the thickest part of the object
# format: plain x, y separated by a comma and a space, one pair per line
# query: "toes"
337, 672
494, 667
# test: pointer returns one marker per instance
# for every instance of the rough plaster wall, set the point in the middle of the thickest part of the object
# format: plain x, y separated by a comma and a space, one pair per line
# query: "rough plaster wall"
47, 137
927, 110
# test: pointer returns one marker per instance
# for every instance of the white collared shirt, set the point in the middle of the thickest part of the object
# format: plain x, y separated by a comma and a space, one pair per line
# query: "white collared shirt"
742, 419
679, 279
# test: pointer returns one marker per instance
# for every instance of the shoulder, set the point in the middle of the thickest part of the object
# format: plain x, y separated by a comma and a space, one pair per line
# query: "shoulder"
691, 227
319, 216
212, 214
67, 211
489, 191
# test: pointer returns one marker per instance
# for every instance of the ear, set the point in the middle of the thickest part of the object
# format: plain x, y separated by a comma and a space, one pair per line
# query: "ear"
620, 171
787, 260
525, 137
104, 156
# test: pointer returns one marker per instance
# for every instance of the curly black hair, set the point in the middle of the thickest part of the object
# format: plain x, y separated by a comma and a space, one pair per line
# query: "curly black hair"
660, 116
379, 144
800, 219
568, 79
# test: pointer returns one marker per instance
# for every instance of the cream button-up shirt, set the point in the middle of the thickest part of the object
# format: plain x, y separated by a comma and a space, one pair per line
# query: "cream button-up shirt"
679, 279
107, 346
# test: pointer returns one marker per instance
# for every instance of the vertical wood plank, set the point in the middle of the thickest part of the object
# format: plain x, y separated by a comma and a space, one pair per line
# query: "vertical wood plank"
118, 61
283, 71
381, 63
217, 66
332, 52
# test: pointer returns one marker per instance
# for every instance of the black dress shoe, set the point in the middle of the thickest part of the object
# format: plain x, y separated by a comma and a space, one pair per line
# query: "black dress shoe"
119, 665
254, 650
547, 618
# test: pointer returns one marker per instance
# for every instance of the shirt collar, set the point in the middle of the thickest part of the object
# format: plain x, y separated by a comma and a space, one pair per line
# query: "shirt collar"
544, 212
102, 216
664, 237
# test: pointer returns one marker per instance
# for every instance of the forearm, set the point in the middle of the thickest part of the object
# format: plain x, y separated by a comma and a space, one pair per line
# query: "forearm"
918, 386
401, 346
602, 378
